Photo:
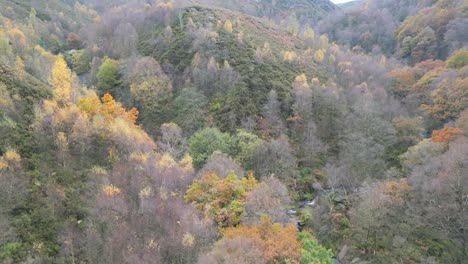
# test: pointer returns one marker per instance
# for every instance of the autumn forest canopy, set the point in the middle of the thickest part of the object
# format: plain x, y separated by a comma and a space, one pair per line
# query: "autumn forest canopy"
233, 132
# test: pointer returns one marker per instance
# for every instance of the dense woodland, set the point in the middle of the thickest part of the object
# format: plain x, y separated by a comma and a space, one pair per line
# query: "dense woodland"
209, 131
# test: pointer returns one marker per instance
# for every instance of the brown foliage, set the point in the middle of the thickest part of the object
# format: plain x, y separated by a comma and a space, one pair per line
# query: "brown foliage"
74, 41
446, 134
278, 243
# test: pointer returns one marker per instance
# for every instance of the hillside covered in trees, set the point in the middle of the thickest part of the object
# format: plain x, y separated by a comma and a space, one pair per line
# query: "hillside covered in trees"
209, 131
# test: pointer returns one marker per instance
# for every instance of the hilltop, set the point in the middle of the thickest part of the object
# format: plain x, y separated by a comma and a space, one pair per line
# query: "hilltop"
277, 10
351, 5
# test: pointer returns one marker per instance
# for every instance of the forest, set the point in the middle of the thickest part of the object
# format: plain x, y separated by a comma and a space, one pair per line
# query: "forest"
233, 132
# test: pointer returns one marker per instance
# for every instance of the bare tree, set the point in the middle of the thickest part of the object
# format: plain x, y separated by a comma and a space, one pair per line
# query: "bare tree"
269, 198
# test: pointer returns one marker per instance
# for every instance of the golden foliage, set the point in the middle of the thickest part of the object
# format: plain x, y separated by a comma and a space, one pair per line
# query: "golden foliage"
165, 5
110, 190
132, 115
61, 141
249, 182
61, 81
186, 163
301, 78
19, 67
319, 55
308, 34
167, 162
108, 107
138, 157
228, 26
301, 82
10, 158
396, 189
89, 104
111, 110
98, 170
315, 81
343, 65
17, 38
308, 52
289, 56
11, 155
278, 243
323, 40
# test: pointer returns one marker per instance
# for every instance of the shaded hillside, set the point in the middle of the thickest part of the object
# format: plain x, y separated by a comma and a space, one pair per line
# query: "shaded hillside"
410, 30
434, 32
369, 25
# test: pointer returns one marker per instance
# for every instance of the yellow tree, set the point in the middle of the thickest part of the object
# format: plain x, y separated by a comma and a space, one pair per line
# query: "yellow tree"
323, 40
301, 82
308, 34
319, 55
18, 39
289, 56
61, 81
19, 67
228, 26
